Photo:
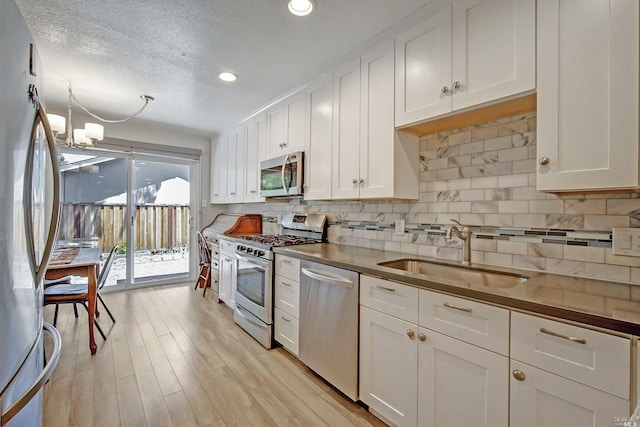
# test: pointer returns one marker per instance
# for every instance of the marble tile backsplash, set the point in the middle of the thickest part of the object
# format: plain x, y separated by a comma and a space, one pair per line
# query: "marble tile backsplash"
485, 176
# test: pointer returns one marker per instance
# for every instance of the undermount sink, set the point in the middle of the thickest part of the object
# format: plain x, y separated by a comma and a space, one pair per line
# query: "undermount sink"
471, 275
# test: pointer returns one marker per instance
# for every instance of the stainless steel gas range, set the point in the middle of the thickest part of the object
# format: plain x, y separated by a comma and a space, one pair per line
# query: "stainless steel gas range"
254, 280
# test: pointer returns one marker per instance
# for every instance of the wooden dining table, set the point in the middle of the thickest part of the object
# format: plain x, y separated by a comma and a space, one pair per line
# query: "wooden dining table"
83, 262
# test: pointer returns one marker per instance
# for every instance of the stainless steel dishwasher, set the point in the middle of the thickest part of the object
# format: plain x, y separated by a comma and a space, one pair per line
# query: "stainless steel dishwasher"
329, 324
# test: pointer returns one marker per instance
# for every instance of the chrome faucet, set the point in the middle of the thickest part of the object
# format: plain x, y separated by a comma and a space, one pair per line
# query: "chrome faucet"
465, 236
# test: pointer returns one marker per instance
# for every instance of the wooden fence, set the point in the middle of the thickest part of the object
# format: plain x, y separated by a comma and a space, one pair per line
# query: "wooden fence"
156, 227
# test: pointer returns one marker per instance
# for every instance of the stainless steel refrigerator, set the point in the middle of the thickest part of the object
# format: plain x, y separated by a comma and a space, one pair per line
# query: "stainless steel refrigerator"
29, 212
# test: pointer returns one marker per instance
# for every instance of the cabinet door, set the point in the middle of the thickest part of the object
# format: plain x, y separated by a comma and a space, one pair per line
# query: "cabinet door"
543, 399
317, 172
346, 131
377, 167
587, 94
423, 70
218, 171
256, 133
295, 110
493, 50
460, 384
275, 129
236, 152
220, 188
225, 278
389, 366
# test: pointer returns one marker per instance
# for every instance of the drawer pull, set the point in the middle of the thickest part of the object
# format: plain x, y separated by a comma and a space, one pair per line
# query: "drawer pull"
564, 337
411, 334
466, 310
286, 284
384, 288
285, 319
422, 337
286, 261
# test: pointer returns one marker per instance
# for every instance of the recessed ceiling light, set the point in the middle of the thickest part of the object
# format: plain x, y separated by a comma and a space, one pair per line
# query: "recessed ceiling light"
300, 7
227, 76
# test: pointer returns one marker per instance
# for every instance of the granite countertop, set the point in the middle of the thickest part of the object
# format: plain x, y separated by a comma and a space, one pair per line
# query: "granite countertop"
610, 305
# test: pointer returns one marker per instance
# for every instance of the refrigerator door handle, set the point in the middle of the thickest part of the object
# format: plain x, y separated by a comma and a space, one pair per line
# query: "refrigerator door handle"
42, 379
55, 210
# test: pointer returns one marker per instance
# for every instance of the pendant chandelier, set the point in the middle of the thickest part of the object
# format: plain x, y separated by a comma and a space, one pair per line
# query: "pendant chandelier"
92, 132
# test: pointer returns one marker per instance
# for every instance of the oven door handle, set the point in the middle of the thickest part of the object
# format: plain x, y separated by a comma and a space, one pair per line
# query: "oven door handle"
248, 318
261, 264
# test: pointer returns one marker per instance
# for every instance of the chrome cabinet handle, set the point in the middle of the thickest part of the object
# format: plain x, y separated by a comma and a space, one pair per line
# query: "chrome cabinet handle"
455, 307
285, 319
384, 288
286, 261
445, 89
422, 337
40, 381
286, 284
456, 85
564, 337
518, 375
544, 161
411, 334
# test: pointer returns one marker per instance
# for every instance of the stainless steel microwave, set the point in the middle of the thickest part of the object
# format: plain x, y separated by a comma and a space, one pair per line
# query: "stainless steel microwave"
282, 176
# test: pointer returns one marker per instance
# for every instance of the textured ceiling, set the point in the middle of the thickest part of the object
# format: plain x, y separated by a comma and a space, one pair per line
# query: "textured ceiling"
115, 50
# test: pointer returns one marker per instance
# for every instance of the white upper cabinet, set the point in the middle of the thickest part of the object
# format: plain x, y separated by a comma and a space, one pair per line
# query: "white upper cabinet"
286, 125
370, 158
587, 136
423, 70
236, 156
218, 171
256, 134
346, 131
474, 52
317, 161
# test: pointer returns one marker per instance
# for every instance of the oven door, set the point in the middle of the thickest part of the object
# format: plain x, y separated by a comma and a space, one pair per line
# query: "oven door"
254, 288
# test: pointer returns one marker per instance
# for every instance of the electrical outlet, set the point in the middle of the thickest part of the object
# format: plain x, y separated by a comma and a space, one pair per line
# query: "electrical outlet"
399, 227
626, 241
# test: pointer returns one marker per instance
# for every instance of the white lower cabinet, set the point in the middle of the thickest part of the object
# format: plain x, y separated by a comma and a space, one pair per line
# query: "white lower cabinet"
552, 374
413, 376
286, 330
542, 399
460, 384
389, 367
227, 276
286, 284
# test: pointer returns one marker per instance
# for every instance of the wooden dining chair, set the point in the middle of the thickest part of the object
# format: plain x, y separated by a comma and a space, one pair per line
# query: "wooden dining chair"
62, 291
204, 277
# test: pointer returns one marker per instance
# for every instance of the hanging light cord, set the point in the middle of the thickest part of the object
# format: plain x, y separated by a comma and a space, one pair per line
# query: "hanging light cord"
146, 98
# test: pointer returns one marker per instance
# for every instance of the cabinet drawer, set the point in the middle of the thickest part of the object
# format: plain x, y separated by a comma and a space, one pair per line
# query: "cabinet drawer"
287, 295
589, 357
389, 297
476, 323
288, 267
286, 330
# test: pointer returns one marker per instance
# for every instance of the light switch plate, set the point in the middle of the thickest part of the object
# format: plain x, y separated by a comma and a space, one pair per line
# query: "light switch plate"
399, 227
626, 241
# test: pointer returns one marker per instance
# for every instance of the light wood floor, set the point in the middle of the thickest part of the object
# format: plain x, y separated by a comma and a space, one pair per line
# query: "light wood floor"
176, 359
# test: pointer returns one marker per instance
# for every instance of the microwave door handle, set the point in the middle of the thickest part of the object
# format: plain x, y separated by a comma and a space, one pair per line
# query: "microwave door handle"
284, 167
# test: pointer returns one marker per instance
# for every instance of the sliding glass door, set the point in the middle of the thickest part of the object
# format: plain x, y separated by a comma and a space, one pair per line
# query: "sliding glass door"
144, 204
